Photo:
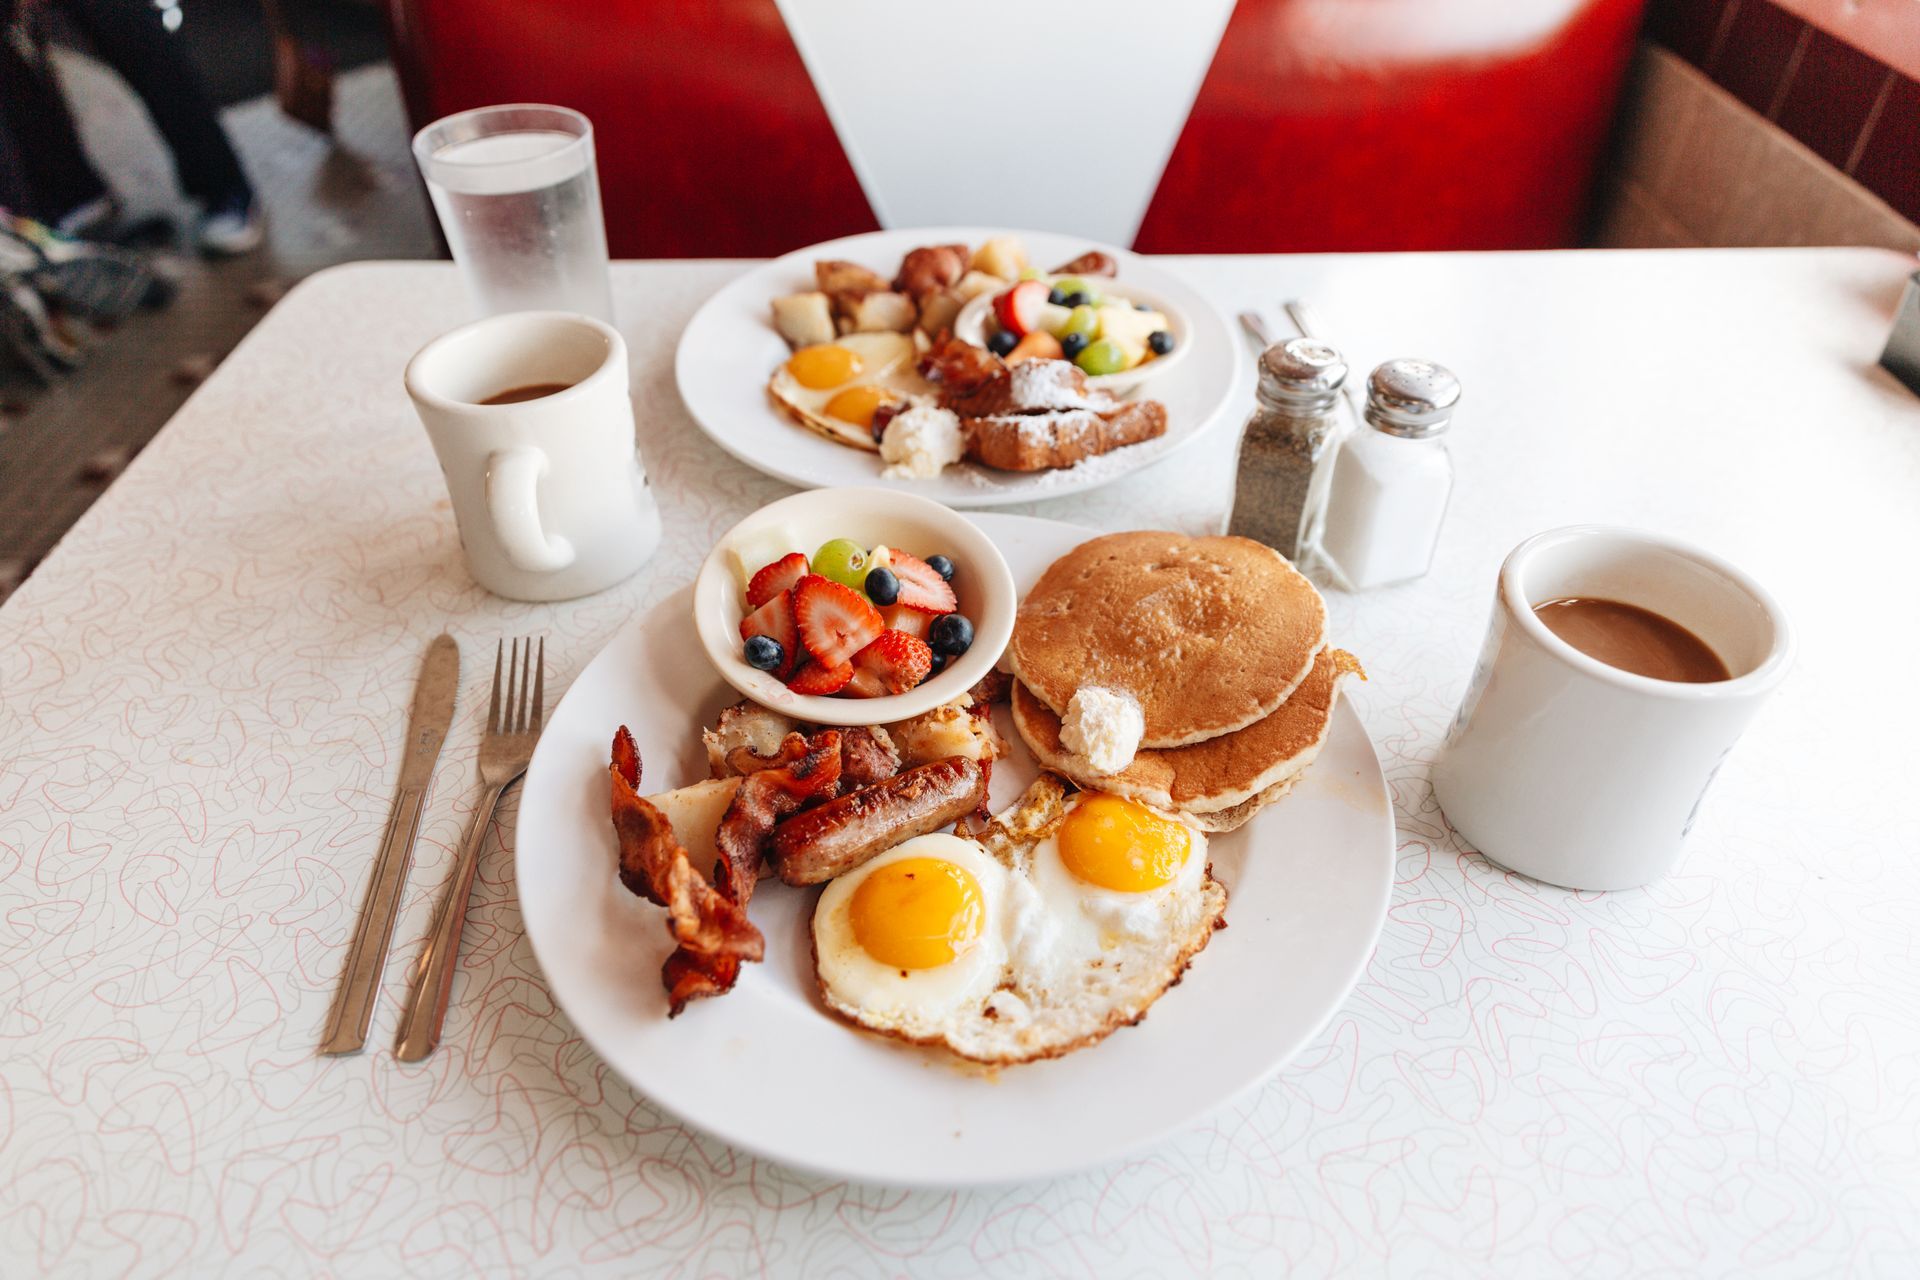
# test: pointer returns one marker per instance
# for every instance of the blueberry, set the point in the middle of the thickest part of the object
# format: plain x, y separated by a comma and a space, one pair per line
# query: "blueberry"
950, 634
1073, 344
1001, 341
1141, 306
1058, 296
1161, 341
1078, 298
765, 653
883, 588
939, 665
942, 566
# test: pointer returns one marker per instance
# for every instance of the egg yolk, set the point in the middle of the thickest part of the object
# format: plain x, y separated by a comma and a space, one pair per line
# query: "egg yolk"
857, 405
918, 913
1116, 844
823, 366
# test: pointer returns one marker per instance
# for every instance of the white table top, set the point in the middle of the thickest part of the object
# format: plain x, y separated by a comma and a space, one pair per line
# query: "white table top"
202, 688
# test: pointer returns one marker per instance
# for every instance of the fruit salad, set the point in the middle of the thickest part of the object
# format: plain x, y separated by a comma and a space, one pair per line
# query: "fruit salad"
1070, 318
850, 620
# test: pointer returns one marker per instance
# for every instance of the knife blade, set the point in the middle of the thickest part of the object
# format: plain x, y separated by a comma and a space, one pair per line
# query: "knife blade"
433, 700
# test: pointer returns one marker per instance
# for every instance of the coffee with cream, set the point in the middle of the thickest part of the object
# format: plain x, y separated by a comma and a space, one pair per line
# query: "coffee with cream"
1633, 639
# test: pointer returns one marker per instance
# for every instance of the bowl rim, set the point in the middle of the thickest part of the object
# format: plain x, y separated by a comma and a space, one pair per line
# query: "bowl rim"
968, 326
972, 550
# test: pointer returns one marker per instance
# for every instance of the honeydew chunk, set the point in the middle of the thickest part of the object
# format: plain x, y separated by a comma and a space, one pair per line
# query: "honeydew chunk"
753, 551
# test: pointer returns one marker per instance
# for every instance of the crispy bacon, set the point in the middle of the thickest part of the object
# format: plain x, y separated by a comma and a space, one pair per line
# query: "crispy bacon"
810, 772
712, 930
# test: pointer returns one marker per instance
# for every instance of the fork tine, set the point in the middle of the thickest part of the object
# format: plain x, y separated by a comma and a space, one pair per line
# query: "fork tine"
521, 718
506, 701
539, 684
519, 681
493, 705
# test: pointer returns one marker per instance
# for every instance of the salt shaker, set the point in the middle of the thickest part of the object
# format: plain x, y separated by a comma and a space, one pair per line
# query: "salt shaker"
1288, 446
1392, 480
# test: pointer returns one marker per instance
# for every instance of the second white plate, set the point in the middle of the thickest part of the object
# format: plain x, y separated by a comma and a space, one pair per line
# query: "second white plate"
729, 350
769, 1070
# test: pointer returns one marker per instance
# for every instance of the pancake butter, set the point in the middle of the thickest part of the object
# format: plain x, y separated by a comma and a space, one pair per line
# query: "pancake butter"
1104, 728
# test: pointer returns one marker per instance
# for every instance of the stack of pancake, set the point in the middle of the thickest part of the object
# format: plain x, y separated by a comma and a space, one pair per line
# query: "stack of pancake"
1220, 641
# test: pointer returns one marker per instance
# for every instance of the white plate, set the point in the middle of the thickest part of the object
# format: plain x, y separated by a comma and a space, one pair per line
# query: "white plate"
729, 350
767, 1069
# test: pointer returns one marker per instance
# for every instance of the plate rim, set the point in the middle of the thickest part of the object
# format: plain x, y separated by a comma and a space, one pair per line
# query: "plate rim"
1032, 1171
1044, 484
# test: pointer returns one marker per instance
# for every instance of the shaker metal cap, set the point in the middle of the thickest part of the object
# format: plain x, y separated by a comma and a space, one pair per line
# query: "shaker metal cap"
1302, 368
1411, 398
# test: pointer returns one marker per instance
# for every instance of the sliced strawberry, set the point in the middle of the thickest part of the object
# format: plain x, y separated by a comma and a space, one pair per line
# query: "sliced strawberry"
921, 586
904, 617
776, 579
817, 679
835, 621
775, 618
894, 663
1018, 309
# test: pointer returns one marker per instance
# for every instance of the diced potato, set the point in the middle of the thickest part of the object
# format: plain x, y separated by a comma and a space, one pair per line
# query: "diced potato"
975, 283
947, 730
832, 275
695, 813
939, 310
803, 319
1002, 256
885, 312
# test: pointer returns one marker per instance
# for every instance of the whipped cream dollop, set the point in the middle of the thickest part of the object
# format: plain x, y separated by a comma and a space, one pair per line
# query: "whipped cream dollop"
921, 442
1104, 728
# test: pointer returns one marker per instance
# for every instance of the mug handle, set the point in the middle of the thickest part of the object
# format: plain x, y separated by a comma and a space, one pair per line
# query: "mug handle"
512, 479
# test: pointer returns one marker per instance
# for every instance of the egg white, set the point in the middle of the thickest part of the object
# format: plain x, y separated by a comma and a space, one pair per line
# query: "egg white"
886, 361
919, 1004
1061, 965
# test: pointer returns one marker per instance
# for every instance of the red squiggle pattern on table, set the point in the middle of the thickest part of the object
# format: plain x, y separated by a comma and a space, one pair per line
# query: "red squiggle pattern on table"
203, 689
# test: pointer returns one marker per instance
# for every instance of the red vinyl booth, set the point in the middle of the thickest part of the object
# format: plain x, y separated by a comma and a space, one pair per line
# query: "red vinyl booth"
1320, 125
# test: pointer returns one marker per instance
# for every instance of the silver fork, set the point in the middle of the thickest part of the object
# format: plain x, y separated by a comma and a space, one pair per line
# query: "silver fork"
513, 726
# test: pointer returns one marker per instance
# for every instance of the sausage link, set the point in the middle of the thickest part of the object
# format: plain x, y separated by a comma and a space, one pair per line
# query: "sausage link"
823, 842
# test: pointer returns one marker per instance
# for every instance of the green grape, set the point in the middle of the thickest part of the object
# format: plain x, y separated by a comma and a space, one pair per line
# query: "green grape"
1083, 320
843, 560
1104, 356
1074, 284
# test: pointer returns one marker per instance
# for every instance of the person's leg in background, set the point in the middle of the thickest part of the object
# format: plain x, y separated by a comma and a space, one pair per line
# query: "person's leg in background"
50, 179
128, 35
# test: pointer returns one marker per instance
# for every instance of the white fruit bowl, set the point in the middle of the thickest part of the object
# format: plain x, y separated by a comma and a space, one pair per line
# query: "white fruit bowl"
974, 323
871, 517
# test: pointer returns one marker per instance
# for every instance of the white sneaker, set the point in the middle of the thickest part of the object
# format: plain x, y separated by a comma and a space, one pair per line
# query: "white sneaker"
232, 228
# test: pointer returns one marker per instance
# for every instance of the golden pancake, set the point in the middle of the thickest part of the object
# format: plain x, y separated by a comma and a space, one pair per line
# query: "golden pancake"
1217, 784
1210, 635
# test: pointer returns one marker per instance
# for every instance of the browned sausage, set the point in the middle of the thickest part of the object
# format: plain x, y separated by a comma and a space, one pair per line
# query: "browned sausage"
1091, 263
834, 838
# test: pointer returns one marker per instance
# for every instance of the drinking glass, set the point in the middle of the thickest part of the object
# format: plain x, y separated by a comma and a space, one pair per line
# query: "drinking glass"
519, 199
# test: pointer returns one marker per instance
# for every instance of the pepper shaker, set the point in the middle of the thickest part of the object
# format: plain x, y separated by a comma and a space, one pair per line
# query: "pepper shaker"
1391, 481
1288, 446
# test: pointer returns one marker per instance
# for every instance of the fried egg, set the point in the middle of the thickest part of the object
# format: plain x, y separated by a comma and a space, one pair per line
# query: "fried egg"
836, 387
914, 941
1096, 906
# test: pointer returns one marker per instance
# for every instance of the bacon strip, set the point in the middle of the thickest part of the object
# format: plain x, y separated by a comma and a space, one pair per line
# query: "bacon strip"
811, 772
712, 929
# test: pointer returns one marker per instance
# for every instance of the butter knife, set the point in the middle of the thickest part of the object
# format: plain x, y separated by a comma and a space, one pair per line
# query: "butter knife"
433, 700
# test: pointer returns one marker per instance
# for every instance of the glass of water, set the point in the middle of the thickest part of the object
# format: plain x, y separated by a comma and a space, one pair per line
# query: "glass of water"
519, 200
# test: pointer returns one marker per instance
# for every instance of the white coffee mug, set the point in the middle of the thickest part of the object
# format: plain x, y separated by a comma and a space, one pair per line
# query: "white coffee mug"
1575, 772
549, 493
